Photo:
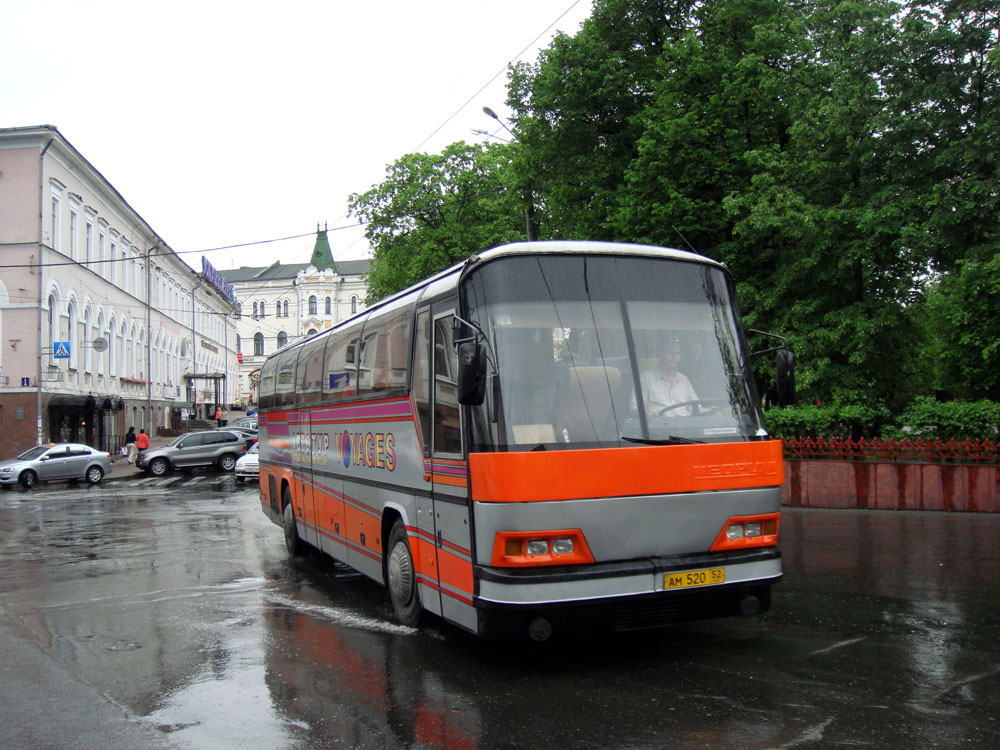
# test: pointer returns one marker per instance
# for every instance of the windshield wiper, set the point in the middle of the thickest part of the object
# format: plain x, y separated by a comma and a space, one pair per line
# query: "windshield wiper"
669, 440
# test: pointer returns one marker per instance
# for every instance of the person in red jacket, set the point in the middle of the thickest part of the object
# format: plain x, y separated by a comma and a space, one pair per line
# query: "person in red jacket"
142, 441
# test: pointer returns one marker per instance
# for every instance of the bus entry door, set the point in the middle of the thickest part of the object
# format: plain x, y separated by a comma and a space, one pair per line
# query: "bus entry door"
307, 445
449, 473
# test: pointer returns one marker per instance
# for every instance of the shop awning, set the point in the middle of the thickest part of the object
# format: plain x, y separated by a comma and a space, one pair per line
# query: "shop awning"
73, 401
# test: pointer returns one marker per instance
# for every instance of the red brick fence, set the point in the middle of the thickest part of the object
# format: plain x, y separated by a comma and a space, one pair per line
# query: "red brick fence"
890, 475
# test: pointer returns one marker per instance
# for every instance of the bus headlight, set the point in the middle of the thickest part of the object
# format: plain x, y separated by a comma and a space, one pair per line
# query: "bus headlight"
538, 547
524, 548
741, 532
562, 546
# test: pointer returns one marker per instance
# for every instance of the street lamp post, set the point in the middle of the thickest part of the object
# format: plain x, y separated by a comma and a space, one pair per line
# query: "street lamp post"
529, 202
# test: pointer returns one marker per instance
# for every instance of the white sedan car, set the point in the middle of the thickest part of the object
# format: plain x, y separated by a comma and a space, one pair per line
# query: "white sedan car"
247, 466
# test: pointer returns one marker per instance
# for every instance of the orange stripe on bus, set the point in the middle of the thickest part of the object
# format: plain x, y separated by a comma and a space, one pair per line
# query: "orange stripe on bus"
450, 480
622, 472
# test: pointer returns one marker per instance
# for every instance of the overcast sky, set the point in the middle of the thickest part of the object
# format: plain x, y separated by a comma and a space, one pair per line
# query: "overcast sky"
225, 123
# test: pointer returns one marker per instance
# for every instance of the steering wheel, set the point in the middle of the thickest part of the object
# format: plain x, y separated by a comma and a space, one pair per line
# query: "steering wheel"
694, 402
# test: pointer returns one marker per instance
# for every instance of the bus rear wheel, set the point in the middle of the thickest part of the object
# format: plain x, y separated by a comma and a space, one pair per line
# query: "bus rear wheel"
294, 545
401, 577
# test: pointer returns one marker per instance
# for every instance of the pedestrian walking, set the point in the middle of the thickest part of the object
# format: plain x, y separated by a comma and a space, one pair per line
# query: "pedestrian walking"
218, 416
142, 441
130, 445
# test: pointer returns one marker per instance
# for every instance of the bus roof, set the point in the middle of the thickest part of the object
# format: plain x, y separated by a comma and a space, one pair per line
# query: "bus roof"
541, 247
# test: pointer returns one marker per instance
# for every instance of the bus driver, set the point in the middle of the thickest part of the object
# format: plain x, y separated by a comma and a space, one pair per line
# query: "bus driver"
663, 385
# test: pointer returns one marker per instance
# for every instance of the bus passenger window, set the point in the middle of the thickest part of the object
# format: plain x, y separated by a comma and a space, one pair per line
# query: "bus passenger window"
265, 390
384, 357
340, 375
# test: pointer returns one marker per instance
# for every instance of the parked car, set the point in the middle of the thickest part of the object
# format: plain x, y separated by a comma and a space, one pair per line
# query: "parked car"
249, 435
219, 447
249, 423
248, 465
56, 462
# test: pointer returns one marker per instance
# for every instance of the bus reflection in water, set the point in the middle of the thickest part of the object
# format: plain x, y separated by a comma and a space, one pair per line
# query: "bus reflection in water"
482, 444
341, 683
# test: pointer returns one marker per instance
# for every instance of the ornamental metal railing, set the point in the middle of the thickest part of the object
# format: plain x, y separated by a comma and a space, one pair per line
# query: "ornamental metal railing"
876, 449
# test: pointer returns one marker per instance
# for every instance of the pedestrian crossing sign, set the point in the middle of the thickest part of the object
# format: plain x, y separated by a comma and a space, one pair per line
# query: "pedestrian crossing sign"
60, 350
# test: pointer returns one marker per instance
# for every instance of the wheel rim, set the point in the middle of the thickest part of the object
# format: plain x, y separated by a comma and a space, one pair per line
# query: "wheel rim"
94, 475
401, 573
228, 462
158, 467
29, 479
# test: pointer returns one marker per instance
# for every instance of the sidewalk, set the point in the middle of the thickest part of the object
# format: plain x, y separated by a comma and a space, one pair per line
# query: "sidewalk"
123, 470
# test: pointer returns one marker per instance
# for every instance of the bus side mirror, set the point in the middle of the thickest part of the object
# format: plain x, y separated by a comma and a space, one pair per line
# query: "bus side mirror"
471, 373
786, 378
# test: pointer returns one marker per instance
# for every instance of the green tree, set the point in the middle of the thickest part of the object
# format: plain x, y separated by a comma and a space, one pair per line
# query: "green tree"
578, 112
434, 210
963, 318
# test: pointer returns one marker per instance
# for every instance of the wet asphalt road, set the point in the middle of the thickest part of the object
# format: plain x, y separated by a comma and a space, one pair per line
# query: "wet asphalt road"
167, 613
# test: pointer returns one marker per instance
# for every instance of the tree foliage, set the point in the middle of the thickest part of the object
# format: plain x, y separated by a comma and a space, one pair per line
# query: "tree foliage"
434, 210
838, 155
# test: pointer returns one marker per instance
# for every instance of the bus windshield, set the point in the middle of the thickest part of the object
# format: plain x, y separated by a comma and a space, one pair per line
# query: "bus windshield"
597, 351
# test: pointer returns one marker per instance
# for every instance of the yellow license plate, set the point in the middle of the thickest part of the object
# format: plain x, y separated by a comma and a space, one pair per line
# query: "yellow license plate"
689, 578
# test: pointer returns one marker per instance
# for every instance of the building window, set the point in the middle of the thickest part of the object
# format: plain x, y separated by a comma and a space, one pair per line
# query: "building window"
53, 328
56, 229
258, 344
239, 310
255, 314
73, 336
286, 308
88, 242
74, 228
102, 243
329, 306
354, 305
262, 313
88, 339
282, 339
312, 305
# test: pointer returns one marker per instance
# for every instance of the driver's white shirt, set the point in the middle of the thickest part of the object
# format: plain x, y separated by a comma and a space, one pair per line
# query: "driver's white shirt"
659, 393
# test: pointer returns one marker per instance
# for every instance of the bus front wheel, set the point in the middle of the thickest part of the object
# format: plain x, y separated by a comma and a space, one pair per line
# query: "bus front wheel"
401, 577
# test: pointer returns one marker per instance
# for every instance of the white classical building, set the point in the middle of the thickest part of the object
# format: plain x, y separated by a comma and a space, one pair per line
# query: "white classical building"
102, 325
279, 304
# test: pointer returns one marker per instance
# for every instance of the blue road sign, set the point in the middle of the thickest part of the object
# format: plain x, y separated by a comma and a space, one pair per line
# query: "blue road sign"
60, 350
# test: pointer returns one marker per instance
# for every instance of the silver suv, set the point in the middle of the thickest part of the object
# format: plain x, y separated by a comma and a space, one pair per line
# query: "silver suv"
218, 448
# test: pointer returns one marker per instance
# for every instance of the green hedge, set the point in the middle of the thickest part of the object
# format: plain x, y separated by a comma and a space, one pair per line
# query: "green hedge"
924, 418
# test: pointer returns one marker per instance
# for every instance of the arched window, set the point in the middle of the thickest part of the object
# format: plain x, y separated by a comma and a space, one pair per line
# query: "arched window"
282, 339
88, 356
258, 344
100, 332
262, 313
74, 337
239, 310
255, 314
112, 354
286, 308
53, 326
329, 306
354, 305
312, 305
122, 367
